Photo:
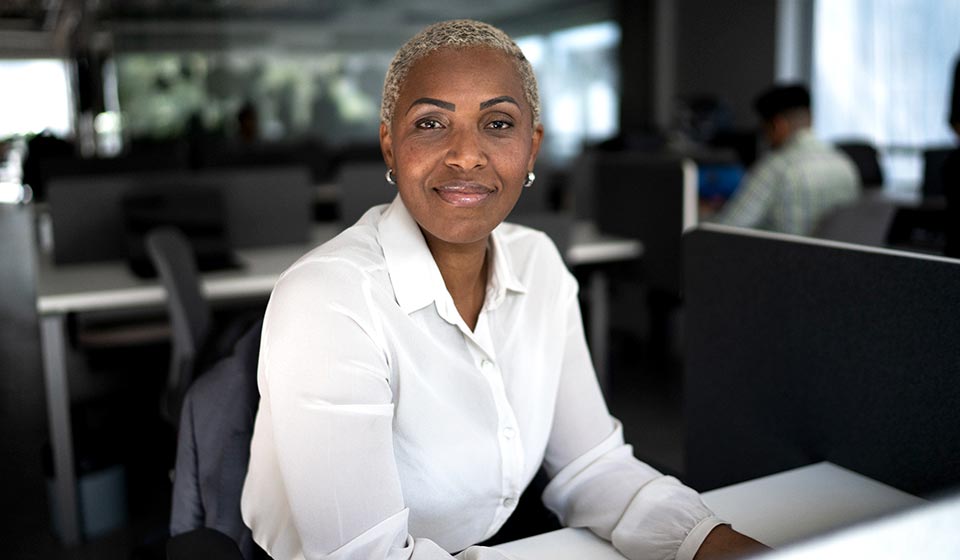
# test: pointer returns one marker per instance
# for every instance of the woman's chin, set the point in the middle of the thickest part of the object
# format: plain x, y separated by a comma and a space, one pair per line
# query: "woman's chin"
465, 232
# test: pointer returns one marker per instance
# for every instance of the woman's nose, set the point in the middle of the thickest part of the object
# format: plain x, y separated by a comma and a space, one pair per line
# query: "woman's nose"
465, 150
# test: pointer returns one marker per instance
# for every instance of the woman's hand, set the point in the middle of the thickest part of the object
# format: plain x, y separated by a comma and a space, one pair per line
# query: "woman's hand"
723, 542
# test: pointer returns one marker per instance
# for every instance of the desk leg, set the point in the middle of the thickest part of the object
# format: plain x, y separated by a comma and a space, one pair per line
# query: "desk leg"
599, 326
52, 333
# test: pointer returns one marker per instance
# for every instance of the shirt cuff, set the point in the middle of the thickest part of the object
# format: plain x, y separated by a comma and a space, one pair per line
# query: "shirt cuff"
691, 543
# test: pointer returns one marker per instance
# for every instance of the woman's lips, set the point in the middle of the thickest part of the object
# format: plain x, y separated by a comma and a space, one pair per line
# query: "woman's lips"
464, 195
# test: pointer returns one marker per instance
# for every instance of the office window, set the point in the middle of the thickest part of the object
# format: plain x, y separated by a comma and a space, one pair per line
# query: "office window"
335, 96
332, 96
579, 85
34, 96
882, 71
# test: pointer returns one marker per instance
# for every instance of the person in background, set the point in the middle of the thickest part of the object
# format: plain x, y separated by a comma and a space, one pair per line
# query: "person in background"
951, 173
801, 180
417, 370
248, 123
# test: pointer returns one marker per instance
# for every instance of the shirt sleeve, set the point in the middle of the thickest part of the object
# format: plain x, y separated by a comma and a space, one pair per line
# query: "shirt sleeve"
597, 483
751, 204
325, 388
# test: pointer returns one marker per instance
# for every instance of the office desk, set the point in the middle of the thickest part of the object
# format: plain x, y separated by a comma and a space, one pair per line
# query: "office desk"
110, 286
776, 510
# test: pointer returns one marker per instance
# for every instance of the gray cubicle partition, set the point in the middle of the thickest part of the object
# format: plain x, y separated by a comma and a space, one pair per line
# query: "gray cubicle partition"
362, 185
263, 206
650, 198
22, 422
801, 350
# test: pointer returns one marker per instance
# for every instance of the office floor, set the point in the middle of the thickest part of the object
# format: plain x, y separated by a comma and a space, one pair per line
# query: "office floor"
644, 393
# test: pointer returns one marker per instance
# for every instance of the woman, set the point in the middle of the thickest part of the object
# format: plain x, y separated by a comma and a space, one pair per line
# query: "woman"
416, 371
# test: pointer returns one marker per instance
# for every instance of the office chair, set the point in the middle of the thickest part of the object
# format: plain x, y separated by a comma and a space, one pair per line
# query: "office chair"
213, 450
865, 222
864, 157
203, 543
933, 160
190, 315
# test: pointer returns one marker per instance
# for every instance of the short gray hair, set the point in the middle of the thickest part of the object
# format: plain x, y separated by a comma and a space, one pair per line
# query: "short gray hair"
456, 34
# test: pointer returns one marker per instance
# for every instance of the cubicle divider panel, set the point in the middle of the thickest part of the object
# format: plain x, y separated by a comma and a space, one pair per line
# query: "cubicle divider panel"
21, 386
648, 198
801, 350
264, 206
363, 185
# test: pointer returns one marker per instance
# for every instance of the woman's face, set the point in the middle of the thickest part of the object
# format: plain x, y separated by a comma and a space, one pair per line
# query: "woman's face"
461, 143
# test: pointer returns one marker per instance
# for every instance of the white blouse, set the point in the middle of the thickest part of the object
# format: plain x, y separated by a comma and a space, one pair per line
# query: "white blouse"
388, 429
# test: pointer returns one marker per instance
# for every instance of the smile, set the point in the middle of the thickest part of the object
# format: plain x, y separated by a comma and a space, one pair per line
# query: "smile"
464, 194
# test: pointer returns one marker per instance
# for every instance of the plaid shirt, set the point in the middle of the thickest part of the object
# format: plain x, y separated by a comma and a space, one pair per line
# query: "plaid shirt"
791, 189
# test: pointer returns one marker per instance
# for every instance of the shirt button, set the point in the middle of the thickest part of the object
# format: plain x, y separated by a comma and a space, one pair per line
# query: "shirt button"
486, 365
509, 502
509, 432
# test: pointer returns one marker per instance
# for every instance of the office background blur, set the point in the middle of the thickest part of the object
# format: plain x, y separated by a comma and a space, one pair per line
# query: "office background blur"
151, 85
110, 76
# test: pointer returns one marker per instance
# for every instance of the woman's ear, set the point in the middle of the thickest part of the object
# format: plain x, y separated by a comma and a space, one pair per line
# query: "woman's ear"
386, 145
535, 145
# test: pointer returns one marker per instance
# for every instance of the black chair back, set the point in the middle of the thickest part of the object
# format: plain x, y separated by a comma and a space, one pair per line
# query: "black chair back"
190, 315
933, 160
865, 158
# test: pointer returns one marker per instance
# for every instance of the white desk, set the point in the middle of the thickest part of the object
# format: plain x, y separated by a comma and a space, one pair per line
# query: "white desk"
776, 510
110, 286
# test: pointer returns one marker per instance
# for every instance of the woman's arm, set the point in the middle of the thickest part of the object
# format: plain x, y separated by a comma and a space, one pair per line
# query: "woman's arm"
723, 542
598, 484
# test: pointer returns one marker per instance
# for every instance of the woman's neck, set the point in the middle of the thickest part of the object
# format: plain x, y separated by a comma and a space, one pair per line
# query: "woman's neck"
464, 270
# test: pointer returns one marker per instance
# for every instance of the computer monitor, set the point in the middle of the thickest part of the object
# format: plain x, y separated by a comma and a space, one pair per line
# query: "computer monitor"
262, 207
718, 180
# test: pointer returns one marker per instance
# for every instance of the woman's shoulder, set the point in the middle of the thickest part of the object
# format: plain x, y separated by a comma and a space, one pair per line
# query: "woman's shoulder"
342, 263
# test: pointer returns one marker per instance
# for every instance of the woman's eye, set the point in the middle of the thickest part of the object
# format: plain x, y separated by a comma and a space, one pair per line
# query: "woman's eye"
500, 125
428, 124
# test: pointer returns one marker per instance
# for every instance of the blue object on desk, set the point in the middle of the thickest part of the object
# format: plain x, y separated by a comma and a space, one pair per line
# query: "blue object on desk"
718, 180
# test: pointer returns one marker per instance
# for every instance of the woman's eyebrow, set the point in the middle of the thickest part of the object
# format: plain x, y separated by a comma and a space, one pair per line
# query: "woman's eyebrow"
501, 99
431, 101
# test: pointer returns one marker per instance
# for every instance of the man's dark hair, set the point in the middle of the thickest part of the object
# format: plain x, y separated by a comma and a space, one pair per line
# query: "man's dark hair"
780, 99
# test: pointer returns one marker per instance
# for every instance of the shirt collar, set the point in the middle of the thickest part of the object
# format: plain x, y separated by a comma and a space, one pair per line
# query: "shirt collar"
414, 274
502, 277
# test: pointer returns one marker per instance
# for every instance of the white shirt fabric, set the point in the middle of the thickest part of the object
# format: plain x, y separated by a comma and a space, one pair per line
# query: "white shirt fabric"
388, 429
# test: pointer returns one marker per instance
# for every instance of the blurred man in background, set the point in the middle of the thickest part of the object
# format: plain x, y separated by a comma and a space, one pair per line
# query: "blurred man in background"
800, 181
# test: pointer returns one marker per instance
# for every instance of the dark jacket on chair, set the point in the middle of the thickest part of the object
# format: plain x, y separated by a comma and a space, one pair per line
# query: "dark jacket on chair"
213, 446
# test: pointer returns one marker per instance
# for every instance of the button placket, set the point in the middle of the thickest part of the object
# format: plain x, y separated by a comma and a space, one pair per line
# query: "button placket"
511, 450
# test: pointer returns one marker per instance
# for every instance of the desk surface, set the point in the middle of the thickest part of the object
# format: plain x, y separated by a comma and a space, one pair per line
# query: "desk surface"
776, 510
110, 285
